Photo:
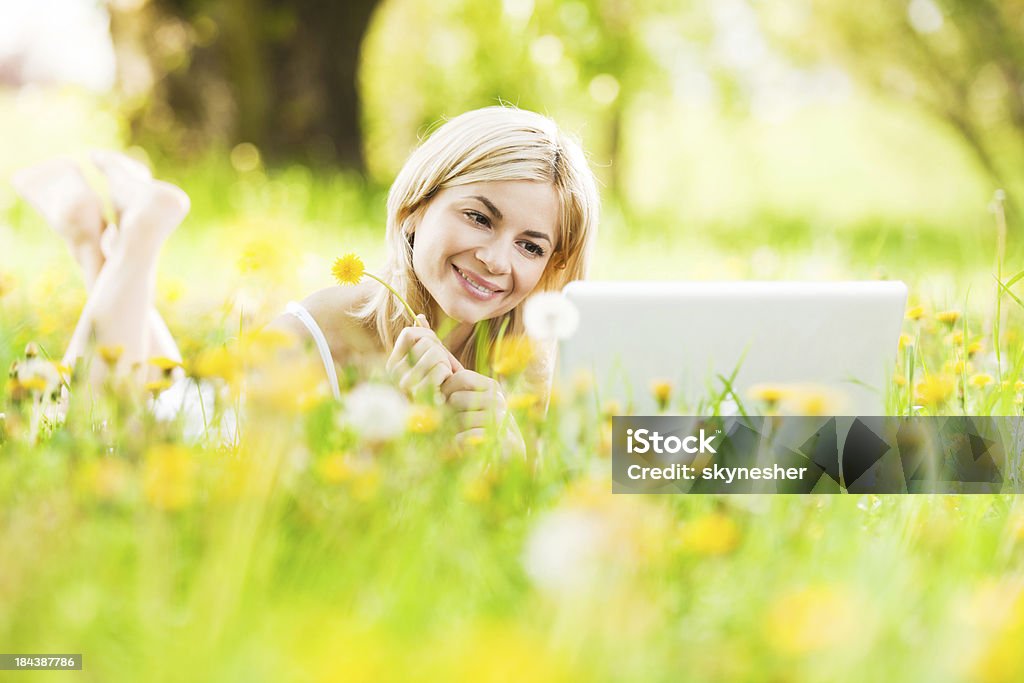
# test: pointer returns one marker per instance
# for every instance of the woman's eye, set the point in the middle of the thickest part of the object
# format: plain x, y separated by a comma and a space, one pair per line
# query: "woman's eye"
534, 249
478, 218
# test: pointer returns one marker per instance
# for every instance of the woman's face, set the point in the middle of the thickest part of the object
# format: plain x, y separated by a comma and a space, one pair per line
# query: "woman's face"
480, 249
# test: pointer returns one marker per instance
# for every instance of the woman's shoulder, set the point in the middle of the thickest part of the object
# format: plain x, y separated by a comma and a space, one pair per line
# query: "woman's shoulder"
333, 310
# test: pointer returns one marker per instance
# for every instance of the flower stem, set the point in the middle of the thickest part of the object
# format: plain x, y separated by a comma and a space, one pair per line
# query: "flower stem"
412, 314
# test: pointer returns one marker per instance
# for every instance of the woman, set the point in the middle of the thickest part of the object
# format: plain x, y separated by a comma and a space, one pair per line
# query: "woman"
497, 204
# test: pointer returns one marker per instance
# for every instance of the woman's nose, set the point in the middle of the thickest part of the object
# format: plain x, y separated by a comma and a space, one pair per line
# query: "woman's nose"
495, 257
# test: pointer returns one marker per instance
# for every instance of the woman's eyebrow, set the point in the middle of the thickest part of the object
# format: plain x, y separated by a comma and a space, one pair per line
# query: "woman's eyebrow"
489, 204
537, 235
493, 209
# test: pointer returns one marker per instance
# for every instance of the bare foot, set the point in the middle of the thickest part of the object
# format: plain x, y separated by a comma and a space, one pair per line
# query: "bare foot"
59, 191
148, 210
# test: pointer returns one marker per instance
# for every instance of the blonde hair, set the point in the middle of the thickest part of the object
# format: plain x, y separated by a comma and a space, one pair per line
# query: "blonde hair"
491, 144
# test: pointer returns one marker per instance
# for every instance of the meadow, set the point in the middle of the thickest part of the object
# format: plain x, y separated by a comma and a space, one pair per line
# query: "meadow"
316, 541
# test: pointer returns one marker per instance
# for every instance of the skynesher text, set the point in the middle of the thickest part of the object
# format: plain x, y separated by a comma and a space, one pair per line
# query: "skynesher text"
715, 472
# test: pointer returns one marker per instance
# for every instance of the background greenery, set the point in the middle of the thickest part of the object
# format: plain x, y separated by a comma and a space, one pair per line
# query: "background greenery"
733, 139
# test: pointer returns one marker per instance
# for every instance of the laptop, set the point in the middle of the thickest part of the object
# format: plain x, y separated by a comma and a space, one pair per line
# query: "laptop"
736, 345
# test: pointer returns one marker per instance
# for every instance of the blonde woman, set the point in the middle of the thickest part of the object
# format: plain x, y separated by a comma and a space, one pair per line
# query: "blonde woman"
495, 205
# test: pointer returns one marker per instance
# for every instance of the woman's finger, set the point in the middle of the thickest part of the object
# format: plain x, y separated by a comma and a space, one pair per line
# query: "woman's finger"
468, 400
432, 381
469, 419
417, 342
406, 339
430, 359
467, 380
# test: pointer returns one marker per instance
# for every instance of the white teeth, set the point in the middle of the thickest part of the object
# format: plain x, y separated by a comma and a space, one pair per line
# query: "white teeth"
473, 284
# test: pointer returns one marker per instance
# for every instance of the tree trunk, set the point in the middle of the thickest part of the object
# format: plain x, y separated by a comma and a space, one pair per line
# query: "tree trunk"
291, 70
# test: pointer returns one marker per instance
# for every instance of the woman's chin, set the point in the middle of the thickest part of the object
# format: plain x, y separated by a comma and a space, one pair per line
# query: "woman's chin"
471, 312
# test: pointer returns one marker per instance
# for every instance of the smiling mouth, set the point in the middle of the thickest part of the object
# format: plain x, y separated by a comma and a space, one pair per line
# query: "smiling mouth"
468, 279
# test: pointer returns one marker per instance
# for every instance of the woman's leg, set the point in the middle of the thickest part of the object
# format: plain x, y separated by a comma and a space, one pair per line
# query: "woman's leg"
59, 191
118, 310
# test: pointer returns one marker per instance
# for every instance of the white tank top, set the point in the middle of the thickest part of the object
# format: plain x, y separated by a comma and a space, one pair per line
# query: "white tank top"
300, 312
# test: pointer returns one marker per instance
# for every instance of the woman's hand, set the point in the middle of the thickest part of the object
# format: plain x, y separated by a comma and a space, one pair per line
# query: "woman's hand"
419, 359
478, 402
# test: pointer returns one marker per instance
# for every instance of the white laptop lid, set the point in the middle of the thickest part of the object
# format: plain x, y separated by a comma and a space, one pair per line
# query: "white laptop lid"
838, 336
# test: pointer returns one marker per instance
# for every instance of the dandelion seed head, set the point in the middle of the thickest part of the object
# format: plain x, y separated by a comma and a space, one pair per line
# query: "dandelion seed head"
549, 315
378, 412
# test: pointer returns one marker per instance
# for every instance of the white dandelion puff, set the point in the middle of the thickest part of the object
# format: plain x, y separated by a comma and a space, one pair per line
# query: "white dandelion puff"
550, 315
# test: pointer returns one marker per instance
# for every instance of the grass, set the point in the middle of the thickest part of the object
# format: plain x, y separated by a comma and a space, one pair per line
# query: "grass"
305, 552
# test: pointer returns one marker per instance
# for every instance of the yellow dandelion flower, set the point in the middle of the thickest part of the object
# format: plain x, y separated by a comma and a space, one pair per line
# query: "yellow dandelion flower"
813, 618
662, 392
905, 341
7, 284
261, 255
524, 401
1015, 525
900, 379
348, 269
582, 382
956, 338
262, 347
915, 313
423, 419
948, 317
957, 367
712, 534
110, 353
168, 477
934, 390
164, 363
604, 446
811, 401
999, 659
217, 362
477, 489
157, 386
611, 408
290, 385
555, 396
512, 355
769, 393
35, 383
974, 348
106, 478
981, 380
334, 468
1018, 385
366, 483
171, 290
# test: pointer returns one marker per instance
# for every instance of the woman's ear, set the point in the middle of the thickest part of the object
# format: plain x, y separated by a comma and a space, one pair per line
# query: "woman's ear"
411, 222
558, 261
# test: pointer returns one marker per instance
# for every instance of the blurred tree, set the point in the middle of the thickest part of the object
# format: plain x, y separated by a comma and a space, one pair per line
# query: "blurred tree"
588, 63
962, 61
280, 74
